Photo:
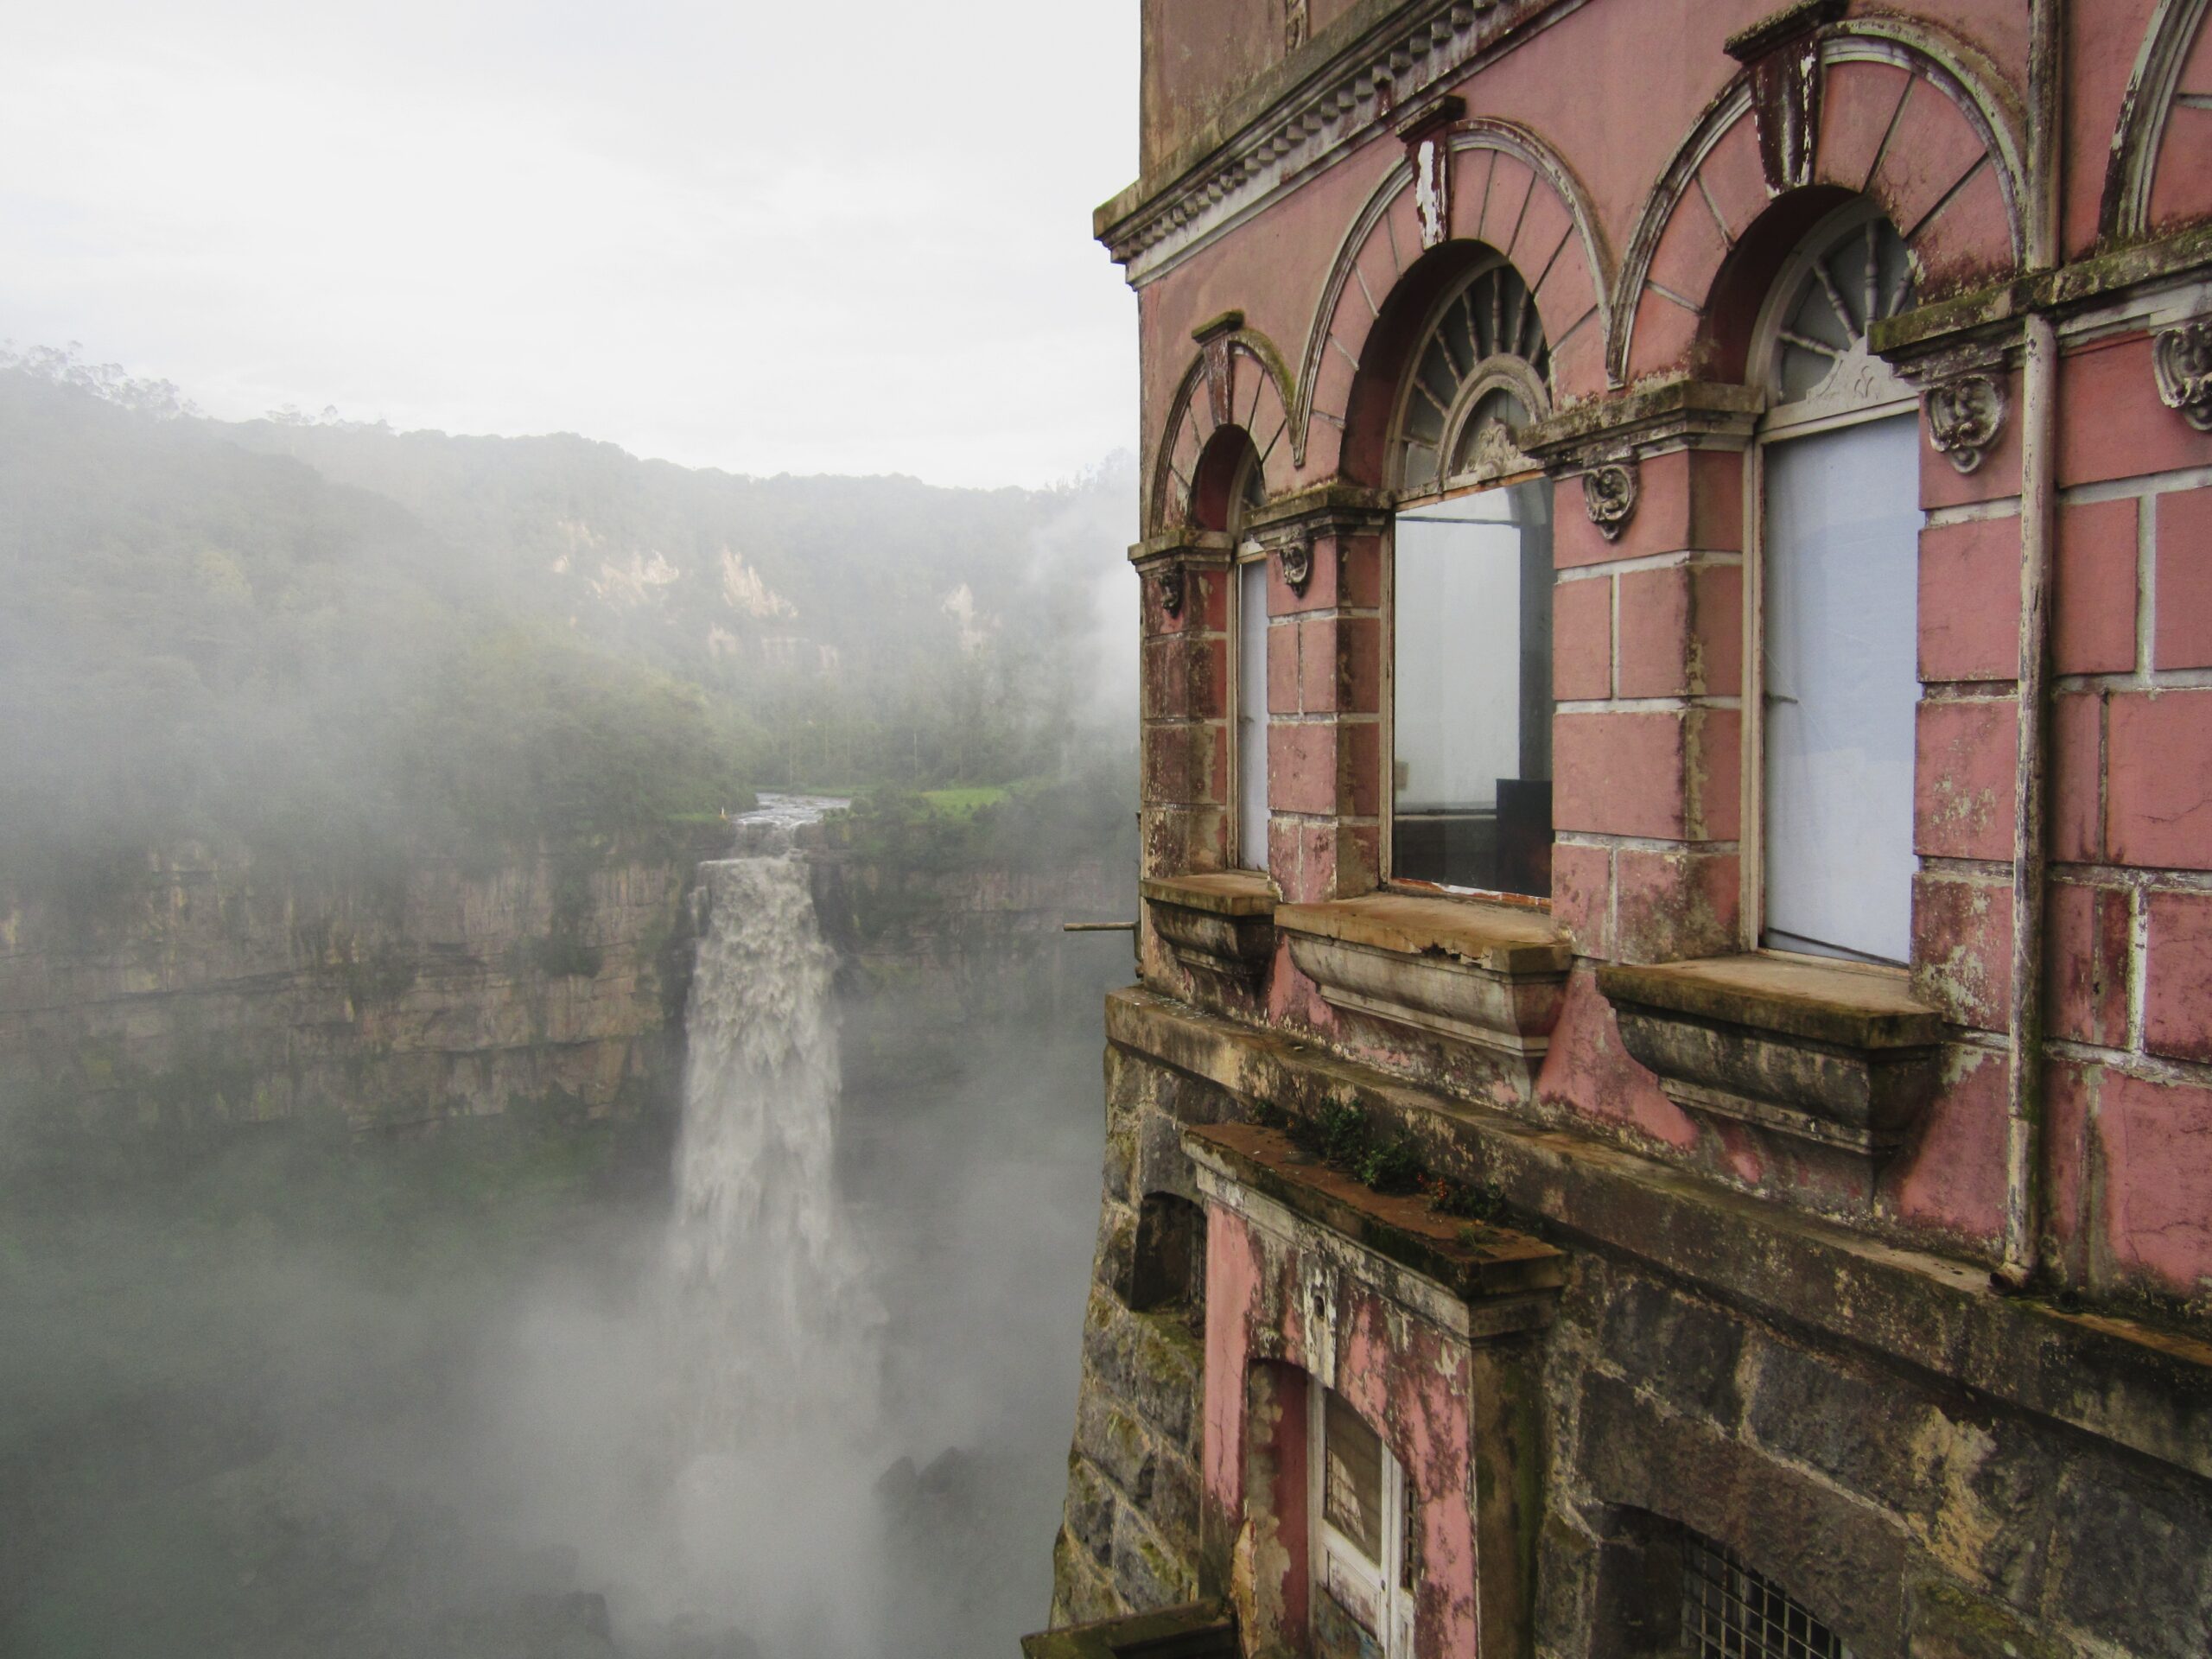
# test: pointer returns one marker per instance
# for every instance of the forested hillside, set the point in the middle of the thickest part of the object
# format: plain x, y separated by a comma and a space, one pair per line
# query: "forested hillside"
327, 641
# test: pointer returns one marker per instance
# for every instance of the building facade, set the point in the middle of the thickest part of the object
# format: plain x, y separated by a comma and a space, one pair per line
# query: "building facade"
1668, 1106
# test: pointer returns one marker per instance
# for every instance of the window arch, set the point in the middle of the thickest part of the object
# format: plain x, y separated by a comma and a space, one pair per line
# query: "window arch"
1479, 374
1834, 618
1471, 596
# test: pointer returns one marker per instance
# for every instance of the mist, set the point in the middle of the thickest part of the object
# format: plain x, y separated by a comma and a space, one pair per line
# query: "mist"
362, 798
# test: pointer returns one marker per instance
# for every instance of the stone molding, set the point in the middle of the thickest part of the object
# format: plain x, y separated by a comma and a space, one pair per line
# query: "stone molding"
1357, 75
1671, 415
2124, 213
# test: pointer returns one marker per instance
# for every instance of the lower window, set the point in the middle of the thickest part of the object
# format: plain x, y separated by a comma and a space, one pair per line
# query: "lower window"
1731, 1612
1362, 1538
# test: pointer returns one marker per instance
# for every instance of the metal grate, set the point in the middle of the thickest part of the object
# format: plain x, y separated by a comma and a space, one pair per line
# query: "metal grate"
1731, 1612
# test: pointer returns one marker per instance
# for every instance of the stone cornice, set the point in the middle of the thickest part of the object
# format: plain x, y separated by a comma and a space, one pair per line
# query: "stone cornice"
1989, 312
1326, 509
1345, 86
1672, 412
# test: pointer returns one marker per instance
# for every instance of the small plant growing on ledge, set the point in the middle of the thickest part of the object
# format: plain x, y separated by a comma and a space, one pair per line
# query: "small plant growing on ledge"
1345, 1139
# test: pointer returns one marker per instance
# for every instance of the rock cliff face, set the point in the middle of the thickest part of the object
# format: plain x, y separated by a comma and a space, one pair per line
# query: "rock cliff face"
205, 990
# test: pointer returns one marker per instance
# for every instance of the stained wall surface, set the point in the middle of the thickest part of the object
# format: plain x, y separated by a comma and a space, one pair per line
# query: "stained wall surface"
2018, 1116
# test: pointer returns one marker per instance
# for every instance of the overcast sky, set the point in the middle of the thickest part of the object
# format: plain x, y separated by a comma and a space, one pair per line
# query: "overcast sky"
844, 237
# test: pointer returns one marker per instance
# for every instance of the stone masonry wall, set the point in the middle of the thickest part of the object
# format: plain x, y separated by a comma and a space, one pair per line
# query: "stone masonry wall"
1914, 1513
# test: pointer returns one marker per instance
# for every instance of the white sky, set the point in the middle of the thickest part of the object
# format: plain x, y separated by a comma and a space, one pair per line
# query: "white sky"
850, 237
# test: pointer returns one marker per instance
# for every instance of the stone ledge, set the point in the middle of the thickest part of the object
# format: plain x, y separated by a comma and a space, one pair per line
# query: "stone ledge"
1840, 1003
1196, 1629
1219, 925
1834, 1054
1474, 1261
1224, 892
1488, 975
1503, 938
2125, 1383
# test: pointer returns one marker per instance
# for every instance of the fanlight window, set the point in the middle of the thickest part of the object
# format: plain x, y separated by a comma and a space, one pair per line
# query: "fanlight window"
1820, 354
1480, 375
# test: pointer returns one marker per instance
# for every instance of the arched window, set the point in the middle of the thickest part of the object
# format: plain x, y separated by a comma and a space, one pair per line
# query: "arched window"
1837, 597
1227, 487
1471, 607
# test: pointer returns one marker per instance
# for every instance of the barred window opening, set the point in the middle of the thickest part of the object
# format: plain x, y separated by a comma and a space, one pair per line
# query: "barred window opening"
1731, 1612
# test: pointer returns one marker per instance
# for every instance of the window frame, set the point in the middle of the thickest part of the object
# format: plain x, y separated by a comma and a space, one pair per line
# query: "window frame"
1782, 423
1500, 371
1398, 1567
1245, 497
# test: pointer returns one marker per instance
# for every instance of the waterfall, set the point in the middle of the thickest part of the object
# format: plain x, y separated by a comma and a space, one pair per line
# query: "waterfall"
777, 1329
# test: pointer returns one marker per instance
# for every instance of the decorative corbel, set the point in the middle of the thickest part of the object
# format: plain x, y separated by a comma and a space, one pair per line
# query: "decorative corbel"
1964, 417
1170, 581
1422, 133
2181, 362
1784, 58
1294, 559
1609, 492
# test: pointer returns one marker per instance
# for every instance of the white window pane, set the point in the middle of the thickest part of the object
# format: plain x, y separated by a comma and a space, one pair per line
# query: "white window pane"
1252, 713
1841, 575
1471, 699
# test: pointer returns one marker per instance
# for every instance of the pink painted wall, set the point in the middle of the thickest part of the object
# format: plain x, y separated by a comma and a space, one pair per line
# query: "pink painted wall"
1410, 1381
1648, 768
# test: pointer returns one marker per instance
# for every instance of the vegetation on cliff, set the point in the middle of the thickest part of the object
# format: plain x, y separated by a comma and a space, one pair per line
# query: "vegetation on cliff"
332, 643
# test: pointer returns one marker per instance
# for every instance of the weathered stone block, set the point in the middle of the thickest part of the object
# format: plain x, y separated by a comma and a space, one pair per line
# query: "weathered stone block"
2093, 619
1090, 1509
2131, 1567
2178, 983
2088, 958
1685, 1348
1582, 640
1682, 631
1965, 760
1970, 600
2158, 783
1113, 1441
2184, 581
1148, 1572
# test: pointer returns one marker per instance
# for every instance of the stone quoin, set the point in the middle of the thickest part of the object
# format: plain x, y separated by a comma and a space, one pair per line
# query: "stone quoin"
1666, 1108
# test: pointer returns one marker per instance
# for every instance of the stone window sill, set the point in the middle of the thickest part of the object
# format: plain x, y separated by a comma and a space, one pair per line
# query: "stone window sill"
1510, 1279
1220, 926
1834, 1054
1493, 975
